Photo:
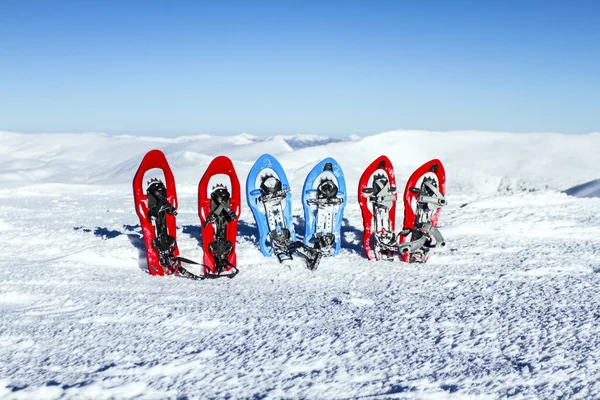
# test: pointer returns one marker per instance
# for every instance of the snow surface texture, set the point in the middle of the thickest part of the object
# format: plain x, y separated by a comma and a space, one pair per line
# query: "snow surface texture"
509, 309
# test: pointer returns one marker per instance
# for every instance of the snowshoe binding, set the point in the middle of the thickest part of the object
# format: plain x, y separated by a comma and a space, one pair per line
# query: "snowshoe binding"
165, 244
158, 208
220, 215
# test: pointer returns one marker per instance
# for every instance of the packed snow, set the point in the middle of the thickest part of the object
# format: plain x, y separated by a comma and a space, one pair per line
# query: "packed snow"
510, 308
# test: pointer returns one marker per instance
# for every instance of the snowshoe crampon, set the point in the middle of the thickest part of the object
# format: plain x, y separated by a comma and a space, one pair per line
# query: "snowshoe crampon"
377, 198
219, 209
424, 196
324, 199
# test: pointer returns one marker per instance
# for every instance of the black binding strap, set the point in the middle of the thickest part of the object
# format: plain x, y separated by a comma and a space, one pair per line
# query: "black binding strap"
165, 244
221, 248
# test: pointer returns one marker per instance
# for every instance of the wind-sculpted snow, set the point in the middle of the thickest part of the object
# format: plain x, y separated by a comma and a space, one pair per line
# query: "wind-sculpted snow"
508, 309
588, 189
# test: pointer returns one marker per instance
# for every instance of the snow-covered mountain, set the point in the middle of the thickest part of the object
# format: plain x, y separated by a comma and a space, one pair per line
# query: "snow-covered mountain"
509, 308
479, 162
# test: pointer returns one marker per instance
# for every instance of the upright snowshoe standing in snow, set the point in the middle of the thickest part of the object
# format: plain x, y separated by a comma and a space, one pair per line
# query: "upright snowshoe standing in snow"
324, 199
219, 208
156, 209
270, 199
423, 198
377, 199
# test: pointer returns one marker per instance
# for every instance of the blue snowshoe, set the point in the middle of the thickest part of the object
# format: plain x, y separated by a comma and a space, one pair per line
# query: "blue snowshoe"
324, 199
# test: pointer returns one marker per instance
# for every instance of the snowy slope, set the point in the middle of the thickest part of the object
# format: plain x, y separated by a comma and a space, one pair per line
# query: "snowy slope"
510, 308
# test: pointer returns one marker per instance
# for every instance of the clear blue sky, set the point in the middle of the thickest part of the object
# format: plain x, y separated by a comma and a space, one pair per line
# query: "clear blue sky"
323, 67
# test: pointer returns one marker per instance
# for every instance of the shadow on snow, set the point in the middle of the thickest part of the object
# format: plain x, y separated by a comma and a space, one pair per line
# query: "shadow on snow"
351, 236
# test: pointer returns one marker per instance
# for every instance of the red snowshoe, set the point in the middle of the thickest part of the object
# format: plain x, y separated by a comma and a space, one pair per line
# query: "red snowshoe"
423, 198
219, 208
157, 207
377, 199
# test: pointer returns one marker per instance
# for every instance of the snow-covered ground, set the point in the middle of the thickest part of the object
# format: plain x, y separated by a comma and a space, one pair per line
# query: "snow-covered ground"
511, 308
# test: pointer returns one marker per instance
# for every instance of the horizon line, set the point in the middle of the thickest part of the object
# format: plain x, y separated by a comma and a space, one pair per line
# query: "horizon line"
163, 134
